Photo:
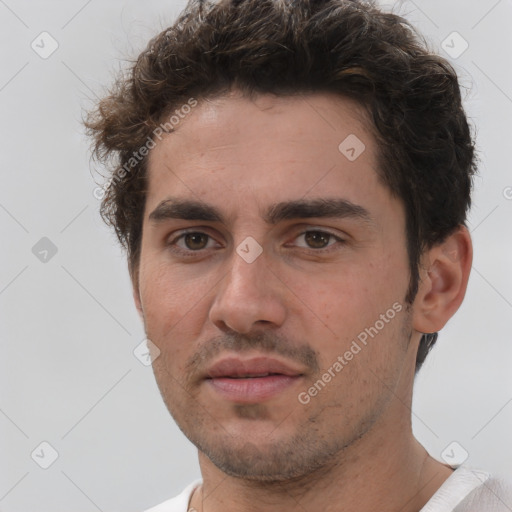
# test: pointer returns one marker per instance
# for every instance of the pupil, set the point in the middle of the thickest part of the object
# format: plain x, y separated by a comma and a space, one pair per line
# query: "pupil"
195, 240
316, 239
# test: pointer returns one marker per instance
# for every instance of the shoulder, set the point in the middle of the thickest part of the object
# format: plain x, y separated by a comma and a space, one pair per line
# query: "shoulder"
179, 503
469, 489
493, 495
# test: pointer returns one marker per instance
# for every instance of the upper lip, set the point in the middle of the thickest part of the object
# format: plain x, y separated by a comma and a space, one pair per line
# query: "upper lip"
236, 367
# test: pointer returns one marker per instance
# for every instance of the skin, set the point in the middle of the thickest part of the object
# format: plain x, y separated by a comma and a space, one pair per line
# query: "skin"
351, 446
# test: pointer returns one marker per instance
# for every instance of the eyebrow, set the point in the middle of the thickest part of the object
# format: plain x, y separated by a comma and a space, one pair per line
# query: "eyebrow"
186, 209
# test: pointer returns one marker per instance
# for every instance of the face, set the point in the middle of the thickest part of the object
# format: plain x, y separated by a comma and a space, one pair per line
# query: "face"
272, 278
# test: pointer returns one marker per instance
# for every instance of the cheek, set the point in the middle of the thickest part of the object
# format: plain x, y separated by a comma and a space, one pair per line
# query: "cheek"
172, 308
354, 305
165, 291
159, 294
348, 299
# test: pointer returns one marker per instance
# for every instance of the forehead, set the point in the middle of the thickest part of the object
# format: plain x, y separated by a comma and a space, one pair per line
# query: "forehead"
266, 149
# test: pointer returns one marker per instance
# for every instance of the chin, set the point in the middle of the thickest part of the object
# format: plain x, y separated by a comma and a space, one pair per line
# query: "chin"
276, 461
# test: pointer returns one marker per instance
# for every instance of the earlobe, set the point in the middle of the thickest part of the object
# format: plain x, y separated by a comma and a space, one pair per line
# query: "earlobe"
443, 282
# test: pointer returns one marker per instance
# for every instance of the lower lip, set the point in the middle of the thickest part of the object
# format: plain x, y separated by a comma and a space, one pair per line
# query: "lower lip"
252, 390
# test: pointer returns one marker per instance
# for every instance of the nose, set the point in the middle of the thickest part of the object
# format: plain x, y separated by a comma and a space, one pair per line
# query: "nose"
248, 296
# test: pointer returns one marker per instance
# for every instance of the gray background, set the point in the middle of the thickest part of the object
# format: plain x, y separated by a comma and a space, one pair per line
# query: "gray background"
68, 326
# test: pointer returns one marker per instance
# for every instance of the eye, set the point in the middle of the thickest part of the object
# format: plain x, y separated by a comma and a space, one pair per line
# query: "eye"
192, 241
318, 239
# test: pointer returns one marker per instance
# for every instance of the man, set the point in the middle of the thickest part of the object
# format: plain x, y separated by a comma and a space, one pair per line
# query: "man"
291, 184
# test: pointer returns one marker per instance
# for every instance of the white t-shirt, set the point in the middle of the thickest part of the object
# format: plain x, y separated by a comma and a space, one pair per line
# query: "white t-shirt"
465, 490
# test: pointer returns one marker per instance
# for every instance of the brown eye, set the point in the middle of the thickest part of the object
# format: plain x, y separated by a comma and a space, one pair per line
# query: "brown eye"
317, 239
195, 241
194, 245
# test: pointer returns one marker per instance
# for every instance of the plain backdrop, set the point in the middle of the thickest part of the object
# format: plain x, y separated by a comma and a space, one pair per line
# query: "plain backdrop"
68, 374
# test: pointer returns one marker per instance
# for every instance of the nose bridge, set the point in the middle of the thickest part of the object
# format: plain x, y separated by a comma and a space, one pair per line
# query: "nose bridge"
248, 259
245, 273
248, 293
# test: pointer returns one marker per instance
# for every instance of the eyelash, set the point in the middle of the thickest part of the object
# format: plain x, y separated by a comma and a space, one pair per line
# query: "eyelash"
190, 253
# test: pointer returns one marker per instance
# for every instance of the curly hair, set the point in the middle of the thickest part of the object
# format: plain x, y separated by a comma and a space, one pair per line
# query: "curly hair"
288, 47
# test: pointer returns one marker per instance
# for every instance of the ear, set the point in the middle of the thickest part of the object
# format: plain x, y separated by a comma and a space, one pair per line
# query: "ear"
444, 276
134, 276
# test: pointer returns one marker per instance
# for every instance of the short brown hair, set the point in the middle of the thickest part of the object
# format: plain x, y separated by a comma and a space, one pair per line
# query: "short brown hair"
290, 47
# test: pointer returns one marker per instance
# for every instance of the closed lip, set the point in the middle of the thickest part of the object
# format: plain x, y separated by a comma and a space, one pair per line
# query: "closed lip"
236, 367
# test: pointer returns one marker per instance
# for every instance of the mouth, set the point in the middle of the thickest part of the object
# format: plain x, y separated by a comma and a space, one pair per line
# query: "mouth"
252, 380
251, 376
